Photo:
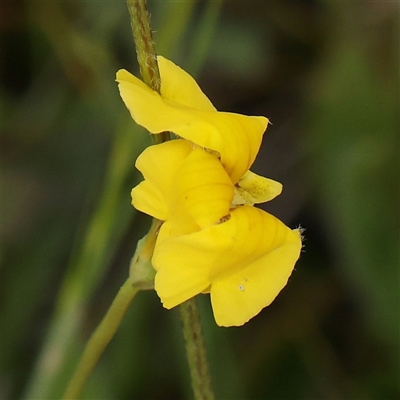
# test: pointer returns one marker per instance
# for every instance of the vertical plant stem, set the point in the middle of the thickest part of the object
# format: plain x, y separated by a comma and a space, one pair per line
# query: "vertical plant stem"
100, 338
145, 48
196, 350
146, 51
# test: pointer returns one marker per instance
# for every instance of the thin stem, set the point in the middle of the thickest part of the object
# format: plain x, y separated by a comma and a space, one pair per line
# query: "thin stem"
145, 48
146, 52
147, 58
100, 338
196, 350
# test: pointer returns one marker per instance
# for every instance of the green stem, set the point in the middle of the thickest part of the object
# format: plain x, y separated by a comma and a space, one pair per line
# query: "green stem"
146, 52
144, 43
147, 58
196, 350
99, 340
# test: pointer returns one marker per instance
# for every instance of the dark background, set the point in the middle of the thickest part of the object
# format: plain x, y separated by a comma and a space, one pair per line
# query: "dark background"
326, 73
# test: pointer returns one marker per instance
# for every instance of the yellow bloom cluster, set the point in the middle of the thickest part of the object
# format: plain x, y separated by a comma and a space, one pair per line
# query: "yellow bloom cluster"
212, 239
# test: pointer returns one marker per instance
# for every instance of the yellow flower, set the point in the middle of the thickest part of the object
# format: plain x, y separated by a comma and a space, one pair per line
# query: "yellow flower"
212, 239
244, 263
243, 256
182, 108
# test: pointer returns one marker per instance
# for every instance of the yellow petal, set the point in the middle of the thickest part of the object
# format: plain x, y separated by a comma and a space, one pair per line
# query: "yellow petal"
237, 138
186, 186
267, 261
254, 189
177, 284
201, 189
147, 198
246, 260
177, 85
241, 296
159, 165
183, 265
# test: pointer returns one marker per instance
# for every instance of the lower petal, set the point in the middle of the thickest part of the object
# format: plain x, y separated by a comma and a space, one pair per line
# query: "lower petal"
247, 260
179, 282
239, 297
183, 264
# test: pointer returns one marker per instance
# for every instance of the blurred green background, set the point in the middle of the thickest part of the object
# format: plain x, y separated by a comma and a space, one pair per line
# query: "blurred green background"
326, 73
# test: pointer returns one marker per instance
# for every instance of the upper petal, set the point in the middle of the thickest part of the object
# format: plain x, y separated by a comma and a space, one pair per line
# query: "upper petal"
179, 86
235, 137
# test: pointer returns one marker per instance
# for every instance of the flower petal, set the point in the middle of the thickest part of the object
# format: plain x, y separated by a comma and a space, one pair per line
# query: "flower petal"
159, 165
147, 198
247, 260
179, 282
241, 296
237, 138
186, 261
201, 189
254, 189
183, 184
177, 85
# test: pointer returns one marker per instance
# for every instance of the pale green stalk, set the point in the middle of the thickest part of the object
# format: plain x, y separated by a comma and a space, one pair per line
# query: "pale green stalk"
100, 338
86, 268
141, 277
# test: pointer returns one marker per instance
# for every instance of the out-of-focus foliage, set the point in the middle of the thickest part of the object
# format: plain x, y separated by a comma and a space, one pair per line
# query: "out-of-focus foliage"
325, 73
